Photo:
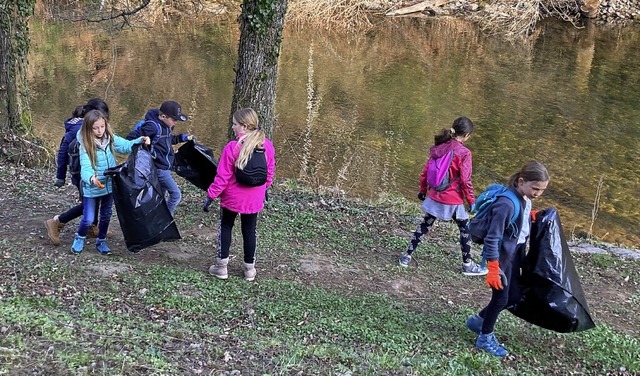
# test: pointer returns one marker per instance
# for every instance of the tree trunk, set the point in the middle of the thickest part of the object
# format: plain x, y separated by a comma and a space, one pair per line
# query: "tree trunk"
261, 24
16, 139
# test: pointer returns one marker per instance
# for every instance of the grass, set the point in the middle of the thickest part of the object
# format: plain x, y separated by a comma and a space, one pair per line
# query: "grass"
329, 300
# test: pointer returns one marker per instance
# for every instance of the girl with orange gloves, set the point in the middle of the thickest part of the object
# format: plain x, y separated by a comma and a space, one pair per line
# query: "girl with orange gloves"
504, 252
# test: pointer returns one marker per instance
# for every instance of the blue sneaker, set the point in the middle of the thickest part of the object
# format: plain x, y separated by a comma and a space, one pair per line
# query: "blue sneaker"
405, 259
489, 343
474, 323
78, 245
101, 245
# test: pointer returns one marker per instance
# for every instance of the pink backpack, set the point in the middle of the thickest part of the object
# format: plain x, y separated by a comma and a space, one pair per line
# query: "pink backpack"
438, 172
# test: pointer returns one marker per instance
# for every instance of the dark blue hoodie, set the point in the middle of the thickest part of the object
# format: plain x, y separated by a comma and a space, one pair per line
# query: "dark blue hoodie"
499, 243
71, 127
161, 144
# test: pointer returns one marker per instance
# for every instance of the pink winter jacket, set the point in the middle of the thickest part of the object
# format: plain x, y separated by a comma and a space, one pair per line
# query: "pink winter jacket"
460, 175
234, 196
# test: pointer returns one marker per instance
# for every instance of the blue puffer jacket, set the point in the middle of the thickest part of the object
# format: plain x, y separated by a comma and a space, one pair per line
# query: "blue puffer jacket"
162, 148
104, 160
71, 128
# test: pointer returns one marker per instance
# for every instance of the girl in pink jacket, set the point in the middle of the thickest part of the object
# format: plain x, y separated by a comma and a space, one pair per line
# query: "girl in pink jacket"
236, 198
447, 203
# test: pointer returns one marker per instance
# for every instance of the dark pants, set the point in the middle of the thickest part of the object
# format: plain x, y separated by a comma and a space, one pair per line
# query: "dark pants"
248, 224
425, 227
510, 294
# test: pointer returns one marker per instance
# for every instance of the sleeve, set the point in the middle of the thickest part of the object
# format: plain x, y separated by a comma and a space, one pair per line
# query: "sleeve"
225, 171
179, 138
501, 212
135, 133
466, 168
423, 186
124, 146
63, 157
148, 129
271, 163
86, 169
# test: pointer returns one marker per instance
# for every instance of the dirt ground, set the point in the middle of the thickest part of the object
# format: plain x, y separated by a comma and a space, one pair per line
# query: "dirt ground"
611, 285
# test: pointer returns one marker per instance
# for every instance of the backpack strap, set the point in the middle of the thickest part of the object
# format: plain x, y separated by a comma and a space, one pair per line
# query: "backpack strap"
516, 204
154, 140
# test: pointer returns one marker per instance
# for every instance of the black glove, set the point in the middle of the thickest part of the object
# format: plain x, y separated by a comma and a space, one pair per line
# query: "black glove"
421, 196
205, 206
59, 183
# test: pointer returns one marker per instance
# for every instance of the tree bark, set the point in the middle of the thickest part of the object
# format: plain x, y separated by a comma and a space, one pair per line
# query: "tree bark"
16, 139
261, 25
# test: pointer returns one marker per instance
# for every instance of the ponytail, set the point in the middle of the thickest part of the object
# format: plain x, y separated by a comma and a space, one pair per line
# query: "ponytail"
250, 142
461, 126
254, 137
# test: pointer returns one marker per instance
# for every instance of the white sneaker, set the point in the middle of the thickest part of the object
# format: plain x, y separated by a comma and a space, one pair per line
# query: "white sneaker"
471, 268
405, 259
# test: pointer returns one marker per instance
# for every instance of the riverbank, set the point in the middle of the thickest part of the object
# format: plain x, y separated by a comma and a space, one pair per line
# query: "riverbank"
601, 12
329, 297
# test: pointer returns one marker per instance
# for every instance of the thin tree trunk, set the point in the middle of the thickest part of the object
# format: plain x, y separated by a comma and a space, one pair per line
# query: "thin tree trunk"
16, 142
261, 25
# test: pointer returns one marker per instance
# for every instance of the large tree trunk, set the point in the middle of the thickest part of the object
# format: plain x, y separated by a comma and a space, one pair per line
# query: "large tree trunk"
261, 24
16, 140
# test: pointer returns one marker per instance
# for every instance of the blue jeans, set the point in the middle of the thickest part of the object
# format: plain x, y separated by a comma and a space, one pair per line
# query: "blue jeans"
74, 212
169, 185
90, 206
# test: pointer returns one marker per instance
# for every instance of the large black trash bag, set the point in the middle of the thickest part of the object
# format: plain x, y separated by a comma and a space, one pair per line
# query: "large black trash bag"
143, 214
552, 296
196, 163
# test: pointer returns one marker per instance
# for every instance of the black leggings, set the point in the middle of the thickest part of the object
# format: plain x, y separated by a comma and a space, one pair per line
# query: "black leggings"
248, 224
510, 294
425, 226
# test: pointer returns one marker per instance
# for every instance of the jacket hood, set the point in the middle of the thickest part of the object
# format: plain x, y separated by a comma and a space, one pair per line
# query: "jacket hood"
72, 124
154, 114
437, 151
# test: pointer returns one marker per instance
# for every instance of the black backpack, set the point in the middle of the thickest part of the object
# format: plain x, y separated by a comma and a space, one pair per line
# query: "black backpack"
74, 160
254, 174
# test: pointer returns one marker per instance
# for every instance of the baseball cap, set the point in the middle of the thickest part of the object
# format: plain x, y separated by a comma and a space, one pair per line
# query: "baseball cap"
173, 110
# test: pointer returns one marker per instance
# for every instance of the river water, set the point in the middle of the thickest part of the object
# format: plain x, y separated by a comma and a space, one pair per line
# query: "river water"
357, 113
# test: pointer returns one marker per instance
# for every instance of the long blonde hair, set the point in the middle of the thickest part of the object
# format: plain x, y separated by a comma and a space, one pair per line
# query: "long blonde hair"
86, 131
254, 138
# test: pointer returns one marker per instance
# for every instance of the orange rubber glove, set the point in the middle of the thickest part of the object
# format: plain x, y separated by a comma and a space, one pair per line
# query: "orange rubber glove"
534, 215
97, 182
493, 277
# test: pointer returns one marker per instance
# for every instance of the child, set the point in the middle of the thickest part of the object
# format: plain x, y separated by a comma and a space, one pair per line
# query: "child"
97, 145
448, 204
71, 126
240, 199
158, 126
503, 251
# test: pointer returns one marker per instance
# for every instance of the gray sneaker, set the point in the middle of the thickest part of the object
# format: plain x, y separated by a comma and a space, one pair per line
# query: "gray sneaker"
471, 268
405, 259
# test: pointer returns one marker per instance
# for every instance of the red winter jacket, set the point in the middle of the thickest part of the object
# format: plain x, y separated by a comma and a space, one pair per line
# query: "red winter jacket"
459, 175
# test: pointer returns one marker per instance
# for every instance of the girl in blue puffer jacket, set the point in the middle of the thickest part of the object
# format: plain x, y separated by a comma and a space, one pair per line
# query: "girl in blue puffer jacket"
97, 145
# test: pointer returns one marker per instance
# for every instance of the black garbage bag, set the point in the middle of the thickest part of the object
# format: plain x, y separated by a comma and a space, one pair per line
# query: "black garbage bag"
552, 296
196, 163
144, 217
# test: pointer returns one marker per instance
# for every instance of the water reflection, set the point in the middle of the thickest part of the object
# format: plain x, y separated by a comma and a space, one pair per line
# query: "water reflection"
357, 113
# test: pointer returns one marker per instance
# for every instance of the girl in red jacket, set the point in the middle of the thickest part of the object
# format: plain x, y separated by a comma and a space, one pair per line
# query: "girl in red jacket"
447, 204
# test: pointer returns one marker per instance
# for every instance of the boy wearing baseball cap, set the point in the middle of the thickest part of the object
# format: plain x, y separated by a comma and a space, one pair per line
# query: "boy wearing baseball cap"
158, 125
